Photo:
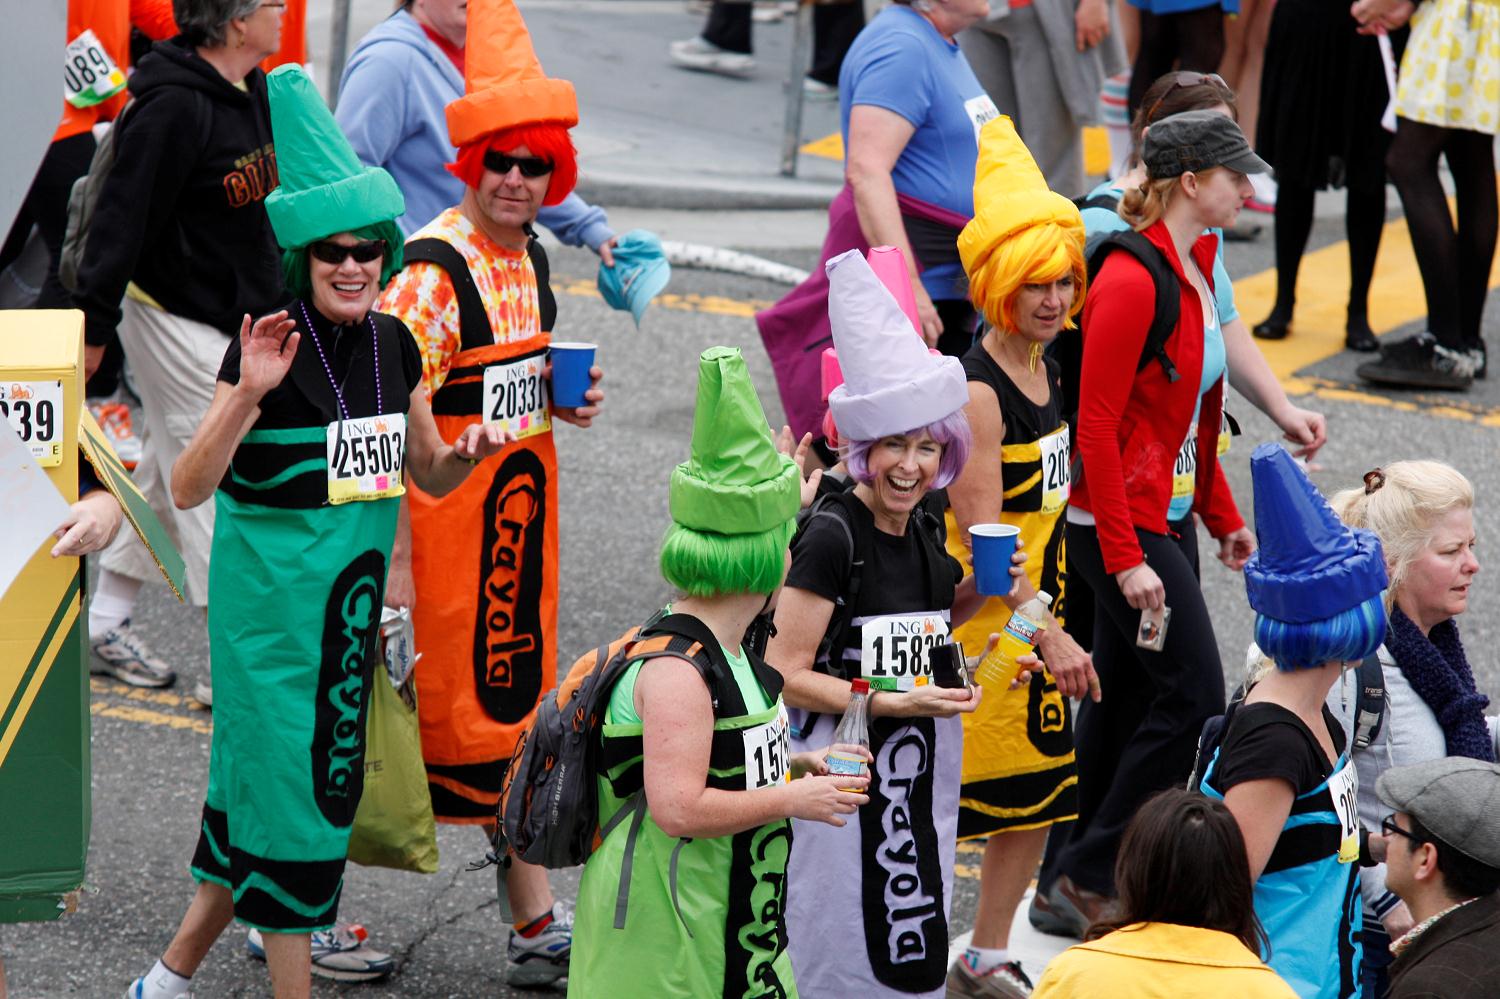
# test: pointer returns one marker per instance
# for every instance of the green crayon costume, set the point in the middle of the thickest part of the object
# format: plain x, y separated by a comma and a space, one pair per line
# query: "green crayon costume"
665, 917
296, 581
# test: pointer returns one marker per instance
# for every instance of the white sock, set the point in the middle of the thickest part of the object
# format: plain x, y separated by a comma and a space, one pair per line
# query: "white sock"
113, 600
161, 982
982, 959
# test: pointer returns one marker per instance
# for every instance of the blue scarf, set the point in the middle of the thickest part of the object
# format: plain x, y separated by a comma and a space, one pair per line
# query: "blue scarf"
1435, 666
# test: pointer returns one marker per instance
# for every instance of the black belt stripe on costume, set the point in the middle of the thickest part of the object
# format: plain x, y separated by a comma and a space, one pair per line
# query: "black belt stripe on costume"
1018, 787
317, 884
262, 462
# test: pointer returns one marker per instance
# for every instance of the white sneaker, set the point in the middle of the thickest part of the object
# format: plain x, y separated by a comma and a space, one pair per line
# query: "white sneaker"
817, 90
203, 693
542, 959
702, 55
140, 990
121, 653
339, 954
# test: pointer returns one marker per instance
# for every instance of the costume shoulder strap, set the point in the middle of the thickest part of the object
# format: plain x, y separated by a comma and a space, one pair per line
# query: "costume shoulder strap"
474, 319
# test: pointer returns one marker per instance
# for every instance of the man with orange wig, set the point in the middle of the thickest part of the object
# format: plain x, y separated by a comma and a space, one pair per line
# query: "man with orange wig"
480, 572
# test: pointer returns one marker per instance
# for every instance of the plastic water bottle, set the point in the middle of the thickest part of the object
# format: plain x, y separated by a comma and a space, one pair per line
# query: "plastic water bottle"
1018, 639
852, 734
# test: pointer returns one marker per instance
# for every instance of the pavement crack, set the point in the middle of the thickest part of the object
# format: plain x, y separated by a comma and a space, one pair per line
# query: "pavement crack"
433, 923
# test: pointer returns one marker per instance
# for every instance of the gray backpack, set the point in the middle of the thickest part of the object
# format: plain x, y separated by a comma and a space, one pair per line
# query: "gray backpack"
82, 201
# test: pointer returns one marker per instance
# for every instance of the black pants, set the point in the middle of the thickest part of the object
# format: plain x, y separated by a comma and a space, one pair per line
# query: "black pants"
1141, 737
1455, 262
958, 318
1192, 40
834, 28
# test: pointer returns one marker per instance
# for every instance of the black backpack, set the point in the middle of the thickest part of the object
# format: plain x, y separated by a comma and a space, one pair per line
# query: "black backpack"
1369, 715
549, 797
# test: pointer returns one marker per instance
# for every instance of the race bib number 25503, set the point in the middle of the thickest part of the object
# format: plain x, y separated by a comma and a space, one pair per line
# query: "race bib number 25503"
365, 458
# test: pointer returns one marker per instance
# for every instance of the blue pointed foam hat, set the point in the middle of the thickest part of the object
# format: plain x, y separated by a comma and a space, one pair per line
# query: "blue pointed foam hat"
1310, 566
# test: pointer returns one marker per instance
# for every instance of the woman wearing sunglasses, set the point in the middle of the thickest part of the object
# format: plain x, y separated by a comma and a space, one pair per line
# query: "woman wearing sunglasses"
318, 415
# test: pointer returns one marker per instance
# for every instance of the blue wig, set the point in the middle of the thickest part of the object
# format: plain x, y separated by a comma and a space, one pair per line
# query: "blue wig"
1348, 636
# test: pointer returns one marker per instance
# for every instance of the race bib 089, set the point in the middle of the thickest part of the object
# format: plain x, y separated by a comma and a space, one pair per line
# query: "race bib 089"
768, 752
515, 395
980, 111
894, 649
90, 76
1185, 468
34, 410
365, 458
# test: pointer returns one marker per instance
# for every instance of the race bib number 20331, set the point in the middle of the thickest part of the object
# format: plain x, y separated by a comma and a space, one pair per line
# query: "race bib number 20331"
515, 395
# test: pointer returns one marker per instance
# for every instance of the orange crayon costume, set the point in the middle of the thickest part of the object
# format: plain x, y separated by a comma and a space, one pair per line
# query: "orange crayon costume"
484, 558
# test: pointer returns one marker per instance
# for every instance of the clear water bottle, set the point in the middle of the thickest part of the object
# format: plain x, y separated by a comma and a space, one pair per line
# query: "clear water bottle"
1018, 639
851, 739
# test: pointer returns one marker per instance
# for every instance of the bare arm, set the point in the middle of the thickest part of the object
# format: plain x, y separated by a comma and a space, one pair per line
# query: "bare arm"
1253, 378
1261, 808
876, 139
437, 467
677, 723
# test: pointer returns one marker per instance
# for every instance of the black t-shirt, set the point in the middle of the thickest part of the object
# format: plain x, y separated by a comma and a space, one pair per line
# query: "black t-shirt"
895, 582
305, 397
1269, 741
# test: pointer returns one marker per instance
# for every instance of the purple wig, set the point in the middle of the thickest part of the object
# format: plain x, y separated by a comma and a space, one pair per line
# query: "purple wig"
952, 432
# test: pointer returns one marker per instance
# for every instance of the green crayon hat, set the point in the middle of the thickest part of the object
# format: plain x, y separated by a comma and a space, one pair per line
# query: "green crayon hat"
735, 481
324, 188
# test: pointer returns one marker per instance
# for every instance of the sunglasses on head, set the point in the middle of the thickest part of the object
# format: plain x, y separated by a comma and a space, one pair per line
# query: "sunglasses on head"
1186, 78
530, 166
334, 253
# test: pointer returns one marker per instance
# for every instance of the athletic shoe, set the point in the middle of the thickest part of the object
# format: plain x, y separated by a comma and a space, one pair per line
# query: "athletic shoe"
203, 693
138, 990
1054, 915
762, 14
121, 653
817, 90
339, 954
705, 56
1264, 188
543, 959
114, 419
1003, 981
1421, 362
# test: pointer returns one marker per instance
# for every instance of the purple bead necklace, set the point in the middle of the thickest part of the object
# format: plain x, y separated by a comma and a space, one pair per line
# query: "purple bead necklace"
328, 370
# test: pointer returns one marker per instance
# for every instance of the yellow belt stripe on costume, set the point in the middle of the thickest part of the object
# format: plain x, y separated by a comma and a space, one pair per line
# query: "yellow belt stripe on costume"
38, 668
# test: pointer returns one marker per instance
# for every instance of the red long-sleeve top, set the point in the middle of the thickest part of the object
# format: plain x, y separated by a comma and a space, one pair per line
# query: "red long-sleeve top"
111, 21
1131, 428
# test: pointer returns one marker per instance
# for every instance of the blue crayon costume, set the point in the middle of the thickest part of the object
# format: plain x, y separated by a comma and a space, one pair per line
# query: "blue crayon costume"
1317, 587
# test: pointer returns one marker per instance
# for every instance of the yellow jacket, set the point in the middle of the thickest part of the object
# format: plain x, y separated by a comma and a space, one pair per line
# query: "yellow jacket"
1161, 961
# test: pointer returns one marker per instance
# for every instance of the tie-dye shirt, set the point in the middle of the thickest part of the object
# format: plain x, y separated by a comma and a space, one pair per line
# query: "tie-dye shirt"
422, 295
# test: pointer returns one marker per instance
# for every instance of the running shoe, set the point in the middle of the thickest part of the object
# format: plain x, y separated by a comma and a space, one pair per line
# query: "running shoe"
541, 960
1421, 362
121, 653
138, 990
1003, 981
1054, 915
705, 56
203, 693
340, 954
114, 419
817, 90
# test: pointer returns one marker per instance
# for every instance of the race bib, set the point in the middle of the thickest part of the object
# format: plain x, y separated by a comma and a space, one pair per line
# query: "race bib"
515, 395
768, 752
1185, 468
365, 458
90, 76
1343, 787
894, 649
1056, 471
33, 409
980, 110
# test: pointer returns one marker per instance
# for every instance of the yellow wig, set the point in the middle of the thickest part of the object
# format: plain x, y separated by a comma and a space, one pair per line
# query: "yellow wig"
1039, 255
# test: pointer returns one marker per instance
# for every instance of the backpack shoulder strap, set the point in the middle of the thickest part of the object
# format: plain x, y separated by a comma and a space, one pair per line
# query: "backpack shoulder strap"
1168, 307
546, 301
473, 319
1109, 202
693, 640
1369, 704
834, 506
930, 530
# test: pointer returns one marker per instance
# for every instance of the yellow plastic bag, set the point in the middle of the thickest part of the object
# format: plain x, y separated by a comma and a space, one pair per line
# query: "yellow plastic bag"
393, 826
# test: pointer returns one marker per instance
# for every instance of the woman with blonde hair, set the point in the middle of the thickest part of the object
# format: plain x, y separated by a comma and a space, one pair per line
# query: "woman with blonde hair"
1023, 253
1423, 513
1136, 411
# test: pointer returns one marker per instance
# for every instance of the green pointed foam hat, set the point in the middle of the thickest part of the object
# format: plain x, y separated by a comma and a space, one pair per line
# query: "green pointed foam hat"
324, 188
735, 481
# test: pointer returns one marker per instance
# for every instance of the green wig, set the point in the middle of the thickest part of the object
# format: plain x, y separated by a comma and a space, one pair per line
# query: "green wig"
295, 266
705, 564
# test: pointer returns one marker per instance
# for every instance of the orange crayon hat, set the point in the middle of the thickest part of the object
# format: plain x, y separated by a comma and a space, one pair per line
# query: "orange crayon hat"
504, 85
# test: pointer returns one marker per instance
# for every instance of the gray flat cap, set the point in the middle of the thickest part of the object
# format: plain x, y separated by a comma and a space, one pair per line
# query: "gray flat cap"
1195, 141
1457, 798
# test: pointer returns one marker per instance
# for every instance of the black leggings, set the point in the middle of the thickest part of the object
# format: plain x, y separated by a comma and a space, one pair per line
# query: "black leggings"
1455, 263
1141, 736
1364, 221
1192, 40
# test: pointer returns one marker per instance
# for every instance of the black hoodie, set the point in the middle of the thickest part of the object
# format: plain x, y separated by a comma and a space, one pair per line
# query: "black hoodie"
181, 213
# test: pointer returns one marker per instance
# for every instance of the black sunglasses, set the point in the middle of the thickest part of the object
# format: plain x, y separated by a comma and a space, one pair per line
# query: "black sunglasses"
334, 253
1389, 827
1185, 78
530, 166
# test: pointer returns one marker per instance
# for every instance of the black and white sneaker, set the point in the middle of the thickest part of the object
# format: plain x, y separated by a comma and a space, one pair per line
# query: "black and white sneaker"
121, 653
1421, 362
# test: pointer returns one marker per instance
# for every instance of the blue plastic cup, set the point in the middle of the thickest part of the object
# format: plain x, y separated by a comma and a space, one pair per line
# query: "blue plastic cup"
994, 544
570, 373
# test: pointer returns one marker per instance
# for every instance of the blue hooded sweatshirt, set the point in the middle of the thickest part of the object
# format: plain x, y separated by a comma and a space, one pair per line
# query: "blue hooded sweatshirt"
396, 86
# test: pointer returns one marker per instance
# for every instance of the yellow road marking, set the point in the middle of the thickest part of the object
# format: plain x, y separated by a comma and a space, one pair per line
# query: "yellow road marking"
1096, 155
830, 147
145, 716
